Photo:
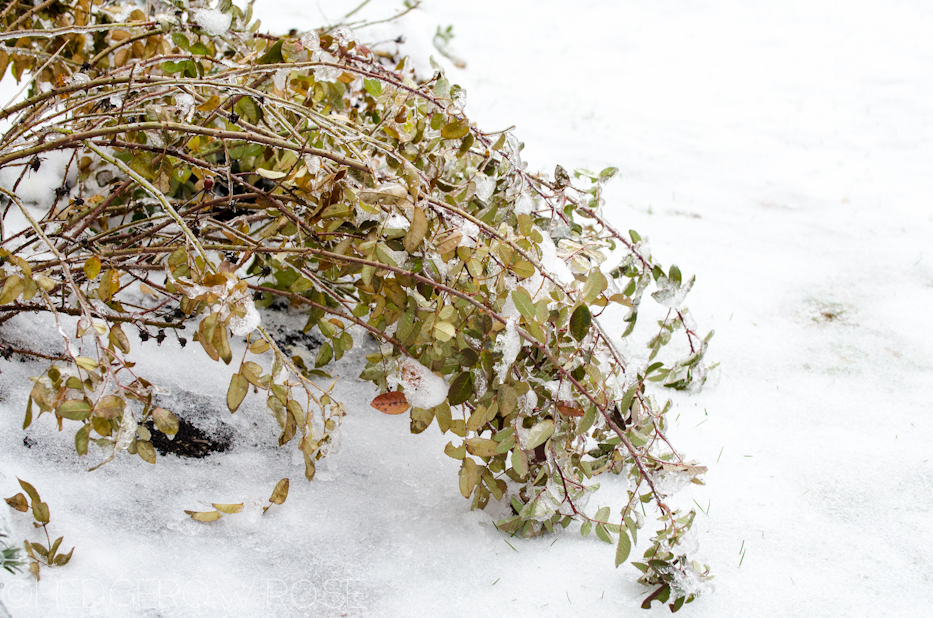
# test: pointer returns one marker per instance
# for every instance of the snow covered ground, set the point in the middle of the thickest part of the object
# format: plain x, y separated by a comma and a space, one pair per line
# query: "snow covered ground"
782, 153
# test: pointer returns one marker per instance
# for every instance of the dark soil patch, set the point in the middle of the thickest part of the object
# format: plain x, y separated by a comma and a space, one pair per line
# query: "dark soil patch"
188, 442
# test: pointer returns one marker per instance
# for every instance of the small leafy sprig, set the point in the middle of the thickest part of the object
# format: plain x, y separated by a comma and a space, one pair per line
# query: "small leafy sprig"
47, 554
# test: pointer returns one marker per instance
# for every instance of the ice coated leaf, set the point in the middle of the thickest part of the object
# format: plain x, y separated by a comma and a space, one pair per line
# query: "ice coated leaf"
595, 284
109, 407
456, 129
460, 389
81, 438
239, 386
146, 451
18, 502
623, 548
74, 409
228, 508
12, 288
467, 477
165, 421
270, 174
421, 419
580, 322
259, 346
280, 492
538, 434
507, 399
522, 300
417, 230
393, 402
481, 447
204, 516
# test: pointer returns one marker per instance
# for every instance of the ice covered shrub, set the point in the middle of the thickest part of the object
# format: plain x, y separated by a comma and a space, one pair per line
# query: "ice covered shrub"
213, 169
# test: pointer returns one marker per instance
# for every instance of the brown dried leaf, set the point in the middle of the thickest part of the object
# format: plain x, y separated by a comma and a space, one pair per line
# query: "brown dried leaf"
18, 502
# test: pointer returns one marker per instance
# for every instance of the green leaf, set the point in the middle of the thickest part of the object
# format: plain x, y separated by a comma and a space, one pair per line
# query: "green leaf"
580, 322
461, 389
30, 490
248, 108
538, 434
522, 300
585, 528
180, 40
602, 533
623, 548
324, 355
274, 55
602, 514
372, 86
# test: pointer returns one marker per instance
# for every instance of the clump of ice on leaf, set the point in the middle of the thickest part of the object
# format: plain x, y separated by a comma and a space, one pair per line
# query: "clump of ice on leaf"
423, 389
509, 343
212, 21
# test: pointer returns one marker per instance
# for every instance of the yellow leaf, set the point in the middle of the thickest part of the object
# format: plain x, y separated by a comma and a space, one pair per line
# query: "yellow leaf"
280, 492
270, 174
92, 267
204, 516
229, 508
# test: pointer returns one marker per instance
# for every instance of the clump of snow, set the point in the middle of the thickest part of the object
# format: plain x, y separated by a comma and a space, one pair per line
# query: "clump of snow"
78, 78
397, 221
249, 322
185, 103
212, 21
280, 79
524, 204
325, 73
484, 186
423, 389
509, 343
528, 402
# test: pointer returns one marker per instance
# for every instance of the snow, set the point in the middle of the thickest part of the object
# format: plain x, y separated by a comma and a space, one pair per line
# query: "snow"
781, 152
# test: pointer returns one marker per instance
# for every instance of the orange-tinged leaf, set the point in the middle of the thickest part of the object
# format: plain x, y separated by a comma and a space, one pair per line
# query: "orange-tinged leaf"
569, 410
392, 402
